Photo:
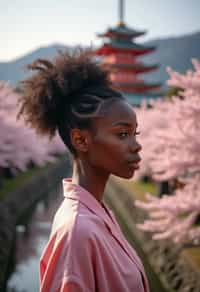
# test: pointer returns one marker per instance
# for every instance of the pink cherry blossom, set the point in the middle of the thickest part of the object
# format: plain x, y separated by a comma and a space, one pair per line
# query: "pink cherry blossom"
19, 145
170, 136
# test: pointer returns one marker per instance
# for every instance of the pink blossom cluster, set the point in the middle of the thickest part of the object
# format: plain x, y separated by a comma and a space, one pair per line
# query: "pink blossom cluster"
170, 136
174, 216
20, 145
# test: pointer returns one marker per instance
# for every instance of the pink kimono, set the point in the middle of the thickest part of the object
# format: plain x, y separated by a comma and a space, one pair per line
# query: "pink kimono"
87, 251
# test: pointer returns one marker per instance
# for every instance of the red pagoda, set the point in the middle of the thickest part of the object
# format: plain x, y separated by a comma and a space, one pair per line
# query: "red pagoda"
121, 54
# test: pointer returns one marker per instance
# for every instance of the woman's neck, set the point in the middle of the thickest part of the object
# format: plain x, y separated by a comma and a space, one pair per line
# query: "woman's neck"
89, 178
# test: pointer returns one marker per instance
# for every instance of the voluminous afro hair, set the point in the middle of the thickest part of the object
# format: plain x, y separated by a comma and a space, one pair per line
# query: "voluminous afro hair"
64, 93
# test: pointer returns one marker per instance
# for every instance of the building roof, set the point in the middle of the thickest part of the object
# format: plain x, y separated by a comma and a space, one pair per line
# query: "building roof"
121, 30
119, 46
136, 87
136, 68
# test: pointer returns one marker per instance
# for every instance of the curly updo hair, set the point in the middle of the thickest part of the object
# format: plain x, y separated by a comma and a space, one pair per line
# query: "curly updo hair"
63, 94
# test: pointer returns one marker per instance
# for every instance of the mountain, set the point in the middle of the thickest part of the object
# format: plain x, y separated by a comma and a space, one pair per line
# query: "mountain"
175, 52
15, 71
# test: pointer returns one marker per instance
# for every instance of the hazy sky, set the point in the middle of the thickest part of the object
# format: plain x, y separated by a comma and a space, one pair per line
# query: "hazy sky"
28, 24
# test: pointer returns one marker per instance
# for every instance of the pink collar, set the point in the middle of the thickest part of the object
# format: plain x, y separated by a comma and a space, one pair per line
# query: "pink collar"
77, 192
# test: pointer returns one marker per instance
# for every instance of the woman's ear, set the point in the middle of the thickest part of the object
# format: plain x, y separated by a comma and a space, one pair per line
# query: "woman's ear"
80, 139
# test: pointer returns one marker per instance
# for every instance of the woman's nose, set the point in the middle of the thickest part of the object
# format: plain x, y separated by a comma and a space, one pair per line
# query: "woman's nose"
139, 147
136, 146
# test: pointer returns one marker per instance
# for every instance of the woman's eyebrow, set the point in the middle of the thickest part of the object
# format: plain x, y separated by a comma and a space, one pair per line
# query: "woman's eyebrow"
122, 123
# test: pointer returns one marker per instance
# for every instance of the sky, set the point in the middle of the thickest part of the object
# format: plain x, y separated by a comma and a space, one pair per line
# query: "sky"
26, 25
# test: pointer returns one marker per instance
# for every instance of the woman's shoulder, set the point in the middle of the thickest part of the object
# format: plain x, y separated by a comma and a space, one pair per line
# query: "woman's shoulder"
76, 222
88, 225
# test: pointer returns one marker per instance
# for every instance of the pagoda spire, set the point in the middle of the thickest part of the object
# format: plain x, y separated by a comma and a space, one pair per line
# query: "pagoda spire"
121, 12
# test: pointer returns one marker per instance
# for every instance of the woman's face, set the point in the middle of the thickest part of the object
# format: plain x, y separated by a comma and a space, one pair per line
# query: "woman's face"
114, 148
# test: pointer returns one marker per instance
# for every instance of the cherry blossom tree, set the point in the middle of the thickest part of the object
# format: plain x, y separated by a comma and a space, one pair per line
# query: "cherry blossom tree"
20, 145
171, 146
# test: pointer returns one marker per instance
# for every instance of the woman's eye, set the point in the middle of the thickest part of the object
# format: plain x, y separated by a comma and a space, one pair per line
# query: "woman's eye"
123, 134
126, 134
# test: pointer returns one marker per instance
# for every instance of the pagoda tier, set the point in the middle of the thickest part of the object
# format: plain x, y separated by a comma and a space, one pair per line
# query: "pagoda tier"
139, 87
130, 82
125, 47
126, 63
121, 31
133, 68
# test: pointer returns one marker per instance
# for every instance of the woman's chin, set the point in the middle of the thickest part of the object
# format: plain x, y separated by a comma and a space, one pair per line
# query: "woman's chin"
127, 175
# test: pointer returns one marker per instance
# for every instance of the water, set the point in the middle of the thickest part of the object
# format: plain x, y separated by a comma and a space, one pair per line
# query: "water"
30, 242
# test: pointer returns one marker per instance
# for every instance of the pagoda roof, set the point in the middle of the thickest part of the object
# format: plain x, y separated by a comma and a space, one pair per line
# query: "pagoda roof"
137, 68
121, 30
136, 87
116, 46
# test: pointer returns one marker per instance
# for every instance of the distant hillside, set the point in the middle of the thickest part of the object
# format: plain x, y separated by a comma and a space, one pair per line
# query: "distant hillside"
15, 71
175, 52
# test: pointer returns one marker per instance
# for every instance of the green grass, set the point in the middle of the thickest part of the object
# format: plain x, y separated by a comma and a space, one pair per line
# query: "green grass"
138, 188
11, 184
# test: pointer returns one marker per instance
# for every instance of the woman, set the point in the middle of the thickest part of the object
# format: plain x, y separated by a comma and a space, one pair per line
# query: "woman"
87, 251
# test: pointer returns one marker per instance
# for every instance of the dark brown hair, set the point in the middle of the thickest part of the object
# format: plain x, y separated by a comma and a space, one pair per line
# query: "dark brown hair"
63, 94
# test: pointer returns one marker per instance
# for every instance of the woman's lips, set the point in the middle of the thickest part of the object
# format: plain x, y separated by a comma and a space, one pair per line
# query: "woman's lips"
134, 164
